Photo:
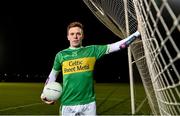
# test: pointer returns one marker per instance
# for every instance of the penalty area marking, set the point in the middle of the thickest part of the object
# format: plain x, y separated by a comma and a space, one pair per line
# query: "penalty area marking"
23, 106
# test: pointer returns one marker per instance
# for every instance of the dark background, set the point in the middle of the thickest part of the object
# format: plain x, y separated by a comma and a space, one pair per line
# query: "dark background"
33, 33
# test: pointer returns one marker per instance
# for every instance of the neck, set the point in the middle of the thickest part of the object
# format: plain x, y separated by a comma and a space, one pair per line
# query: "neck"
71, 47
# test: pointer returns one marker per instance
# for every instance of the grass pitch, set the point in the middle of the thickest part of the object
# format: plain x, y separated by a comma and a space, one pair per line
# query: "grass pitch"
112, 99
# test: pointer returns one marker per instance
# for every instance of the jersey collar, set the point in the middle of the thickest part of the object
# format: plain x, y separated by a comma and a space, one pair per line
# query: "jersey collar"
73, 48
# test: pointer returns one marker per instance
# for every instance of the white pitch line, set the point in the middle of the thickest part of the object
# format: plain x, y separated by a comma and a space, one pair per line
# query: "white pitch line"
141, 105
12, 108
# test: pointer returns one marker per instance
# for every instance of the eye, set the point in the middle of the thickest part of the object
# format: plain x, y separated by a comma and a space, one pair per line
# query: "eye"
79, 33
71, 33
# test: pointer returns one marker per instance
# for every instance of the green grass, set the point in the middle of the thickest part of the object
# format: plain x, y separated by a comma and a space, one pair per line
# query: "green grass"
24, 99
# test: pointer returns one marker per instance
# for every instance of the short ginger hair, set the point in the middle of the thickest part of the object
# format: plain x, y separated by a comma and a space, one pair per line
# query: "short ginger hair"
75, 24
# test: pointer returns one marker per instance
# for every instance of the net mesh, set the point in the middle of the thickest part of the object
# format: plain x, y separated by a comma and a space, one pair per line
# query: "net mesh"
159, 25
157, 54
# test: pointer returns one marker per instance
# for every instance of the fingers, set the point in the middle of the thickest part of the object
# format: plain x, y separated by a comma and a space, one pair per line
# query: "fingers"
50, 102
43, 98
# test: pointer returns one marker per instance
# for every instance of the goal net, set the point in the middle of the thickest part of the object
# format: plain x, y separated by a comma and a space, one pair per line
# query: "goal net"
156, 54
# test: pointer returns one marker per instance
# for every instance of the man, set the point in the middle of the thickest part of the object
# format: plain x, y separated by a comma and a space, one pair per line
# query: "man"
77, 65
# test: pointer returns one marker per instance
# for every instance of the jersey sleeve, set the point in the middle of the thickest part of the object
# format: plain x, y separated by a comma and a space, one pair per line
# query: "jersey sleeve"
100, 50
123, 43
57, 62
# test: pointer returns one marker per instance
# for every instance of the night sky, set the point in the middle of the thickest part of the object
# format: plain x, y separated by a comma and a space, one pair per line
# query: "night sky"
29, 39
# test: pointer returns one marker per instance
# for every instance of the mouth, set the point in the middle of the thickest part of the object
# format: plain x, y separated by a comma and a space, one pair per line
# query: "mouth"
76, 41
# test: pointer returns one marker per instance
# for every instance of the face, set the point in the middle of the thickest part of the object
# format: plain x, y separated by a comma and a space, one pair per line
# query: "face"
75, 36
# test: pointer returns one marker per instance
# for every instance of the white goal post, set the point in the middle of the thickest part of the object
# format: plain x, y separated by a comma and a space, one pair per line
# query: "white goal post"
157, 54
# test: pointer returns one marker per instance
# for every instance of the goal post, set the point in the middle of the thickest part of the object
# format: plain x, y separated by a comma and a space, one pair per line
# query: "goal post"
159, 26
156, 54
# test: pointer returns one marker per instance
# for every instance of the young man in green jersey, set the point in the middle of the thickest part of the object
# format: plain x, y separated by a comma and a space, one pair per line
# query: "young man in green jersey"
77, 65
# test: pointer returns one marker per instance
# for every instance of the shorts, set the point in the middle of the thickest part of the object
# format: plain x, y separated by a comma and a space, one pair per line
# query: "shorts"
78, 110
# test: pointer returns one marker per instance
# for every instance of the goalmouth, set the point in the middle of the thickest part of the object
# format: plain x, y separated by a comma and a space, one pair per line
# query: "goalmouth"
156, 54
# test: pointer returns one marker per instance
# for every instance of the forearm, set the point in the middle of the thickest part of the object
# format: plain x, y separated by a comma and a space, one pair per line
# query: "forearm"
123, 43
52, 76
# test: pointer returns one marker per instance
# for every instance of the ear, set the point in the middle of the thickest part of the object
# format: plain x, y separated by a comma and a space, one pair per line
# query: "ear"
82, 36
67, 37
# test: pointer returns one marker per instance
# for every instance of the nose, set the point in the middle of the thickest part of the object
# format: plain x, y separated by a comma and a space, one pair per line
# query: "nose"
75, 36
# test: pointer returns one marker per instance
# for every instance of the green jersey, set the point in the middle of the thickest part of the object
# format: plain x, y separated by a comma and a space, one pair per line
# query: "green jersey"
77, 67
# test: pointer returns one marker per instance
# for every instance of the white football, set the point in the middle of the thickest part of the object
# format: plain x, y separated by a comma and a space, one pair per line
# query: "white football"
52, 91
